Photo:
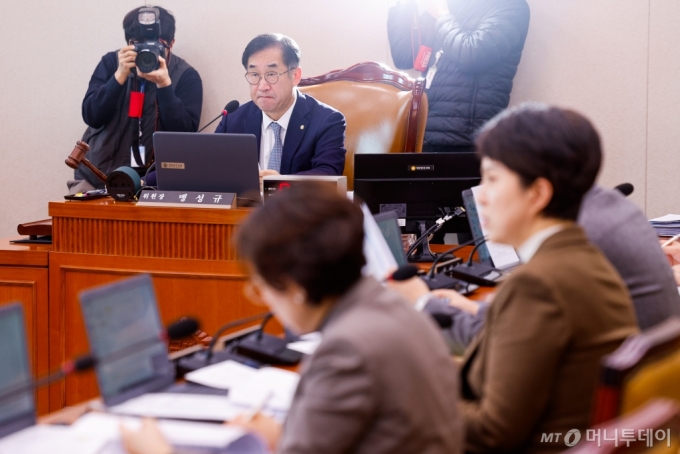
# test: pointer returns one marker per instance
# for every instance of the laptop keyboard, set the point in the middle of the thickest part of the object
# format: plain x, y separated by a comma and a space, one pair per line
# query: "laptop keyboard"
193, 388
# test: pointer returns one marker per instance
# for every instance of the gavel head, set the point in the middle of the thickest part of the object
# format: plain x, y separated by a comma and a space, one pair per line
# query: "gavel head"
77, 155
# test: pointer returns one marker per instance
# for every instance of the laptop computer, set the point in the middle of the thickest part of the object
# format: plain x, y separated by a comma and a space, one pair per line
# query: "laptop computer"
500, 256
388, 223
187, 161
18, 412
117, 317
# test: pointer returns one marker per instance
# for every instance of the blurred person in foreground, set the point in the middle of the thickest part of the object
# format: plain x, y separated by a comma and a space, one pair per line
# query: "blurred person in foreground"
381, 381
532, 370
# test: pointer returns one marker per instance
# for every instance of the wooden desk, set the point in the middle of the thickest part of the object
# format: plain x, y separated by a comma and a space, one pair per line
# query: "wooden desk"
24, 278
188, 252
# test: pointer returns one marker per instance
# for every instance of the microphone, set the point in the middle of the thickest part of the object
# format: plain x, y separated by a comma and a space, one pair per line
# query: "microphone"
177, 330
202, 359
625, 188
229, 108
476, 273
403, 273
266, 348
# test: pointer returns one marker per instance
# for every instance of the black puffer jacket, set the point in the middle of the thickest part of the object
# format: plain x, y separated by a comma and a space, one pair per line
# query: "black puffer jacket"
481, 43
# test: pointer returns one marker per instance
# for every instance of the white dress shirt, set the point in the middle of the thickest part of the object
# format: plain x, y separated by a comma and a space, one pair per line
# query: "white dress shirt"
527, 250
267, 137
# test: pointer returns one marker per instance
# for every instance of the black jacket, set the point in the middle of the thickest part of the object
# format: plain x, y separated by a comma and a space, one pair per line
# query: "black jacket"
481, 43
105, 110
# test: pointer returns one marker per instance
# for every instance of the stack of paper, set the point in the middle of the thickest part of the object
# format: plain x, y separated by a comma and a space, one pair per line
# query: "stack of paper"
249, 387
668, 225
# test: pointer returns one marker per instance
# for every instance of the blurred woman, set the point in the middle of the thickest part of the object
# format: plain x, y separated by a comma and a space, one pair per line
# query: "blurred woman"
533, 369
381, 381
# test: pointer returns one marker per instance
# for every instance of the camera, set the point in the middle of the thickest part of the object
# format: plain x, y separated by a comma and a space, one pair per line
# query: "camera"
149, 51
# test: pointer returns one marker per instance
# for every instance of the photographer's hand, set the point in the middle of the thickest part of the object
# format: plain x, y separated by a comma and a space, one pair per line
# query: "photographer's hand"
126, 61
160, 77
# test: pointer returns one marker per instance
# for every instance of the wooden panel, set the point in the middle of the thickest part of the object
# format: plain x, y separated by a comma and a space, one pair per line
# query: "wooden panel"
23, 254
209, 290
144, 239
129, 211
30, 287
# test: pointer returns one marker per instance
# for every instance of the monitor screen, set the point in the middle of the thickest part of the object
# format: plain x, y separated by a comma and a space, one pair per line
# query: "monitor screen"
18, 411
389, 227
124, 327
420, 187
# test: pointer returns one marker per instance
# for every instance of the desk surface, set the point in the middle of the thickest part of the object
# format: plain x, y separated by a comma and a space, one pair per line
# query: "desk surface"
12, 254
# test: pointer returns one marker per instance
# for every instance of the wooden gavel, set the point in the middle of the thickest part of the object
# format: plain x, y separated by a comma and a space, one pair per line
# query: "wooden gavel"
78, 156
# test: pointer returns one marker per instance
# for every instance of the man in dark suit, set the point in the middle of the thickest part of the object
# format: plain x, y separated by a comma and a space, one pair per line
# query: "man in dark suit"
296, 134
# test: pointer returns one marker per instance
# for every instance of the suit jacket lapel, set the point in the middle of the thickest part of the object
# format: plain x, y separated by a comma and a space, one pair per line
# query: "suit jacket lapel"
297, 127
253, 125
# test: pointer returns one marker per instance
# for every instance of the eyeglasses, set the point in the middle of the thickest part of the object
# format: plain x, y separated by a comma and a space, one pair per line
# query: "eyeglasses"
270, 77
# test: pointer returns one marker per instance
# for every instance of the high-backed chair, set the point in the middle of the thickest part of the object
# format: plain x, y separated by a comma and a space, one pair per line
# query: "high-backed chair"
385, 110
644, 367
653, 428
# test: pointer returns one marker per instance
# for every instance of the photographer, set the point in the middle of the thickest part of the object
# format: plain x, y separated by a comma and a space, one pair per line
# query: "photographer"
140, 89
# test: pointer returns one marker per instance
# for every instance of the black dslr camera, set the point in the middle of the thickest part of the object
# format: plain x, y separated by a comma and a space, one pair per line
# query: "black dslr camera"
149, 51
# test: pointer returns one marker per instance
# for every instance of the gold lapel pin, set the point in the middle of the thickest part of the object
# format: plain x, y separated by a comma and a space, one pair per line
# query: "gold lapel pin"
302, 126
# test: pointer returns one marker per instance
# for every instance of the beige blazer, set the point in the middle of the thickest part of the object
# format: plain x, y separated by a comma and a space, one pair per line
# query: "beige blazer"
533, 368
380, 382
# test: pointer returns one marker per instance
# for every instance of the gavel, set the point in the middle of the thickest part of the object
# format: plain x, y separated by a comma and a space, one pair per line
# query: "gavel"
78, 156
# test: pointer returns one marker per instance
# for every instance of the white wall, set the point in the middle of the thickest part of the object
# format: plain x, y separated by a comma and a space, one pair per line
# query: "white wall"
614, 60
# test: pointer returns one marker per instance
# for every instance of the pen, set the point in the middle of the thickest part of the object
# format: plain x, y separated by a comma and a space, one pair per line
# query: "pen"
666, 243
263, 403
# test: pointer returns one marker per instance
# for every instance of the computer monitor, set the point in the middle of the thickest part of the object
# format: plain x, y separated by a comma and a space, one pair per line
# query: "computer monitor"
420, 187
123, 317
18, 412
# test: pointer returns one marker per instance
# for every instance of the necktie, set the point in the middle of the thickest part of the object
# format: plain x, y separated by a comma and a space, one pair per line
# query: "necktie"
277, 149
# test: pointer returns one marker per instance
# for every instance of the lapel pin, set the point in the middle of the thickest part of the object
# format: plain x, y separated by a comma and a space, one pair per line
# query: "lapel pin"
302, 126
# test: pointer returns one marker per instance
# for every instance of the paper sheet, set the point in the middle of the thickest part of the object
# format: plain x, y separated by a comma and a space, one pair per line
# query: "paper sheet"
52, 440
247, 386
184, 433
179, 406
222, 375
307, 344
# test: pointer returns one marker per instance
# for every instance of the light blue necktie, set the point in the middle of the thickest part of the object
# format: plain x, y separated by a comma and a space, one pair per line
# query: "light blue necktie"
277, 149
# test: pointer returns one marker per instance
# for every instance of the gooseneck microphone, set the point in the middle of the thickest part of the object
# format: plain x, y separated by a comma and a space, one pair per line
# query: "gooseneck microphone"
625, 188
174, 331
229, 108
230, 325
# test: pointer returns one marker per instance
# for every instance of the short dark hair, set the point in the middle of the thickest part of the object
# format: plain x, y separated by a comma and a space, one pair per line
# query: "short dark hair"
308, 234
289, 48
133, 29
560, 145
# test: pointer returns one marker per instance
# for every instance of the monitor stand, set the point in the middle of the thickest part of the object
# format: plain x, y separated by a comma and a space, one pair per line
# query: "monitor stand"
422, 254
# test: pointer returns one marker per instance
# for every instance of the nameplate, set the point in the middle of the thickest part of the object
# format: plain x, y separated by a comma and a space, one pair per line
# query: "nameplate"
224, 200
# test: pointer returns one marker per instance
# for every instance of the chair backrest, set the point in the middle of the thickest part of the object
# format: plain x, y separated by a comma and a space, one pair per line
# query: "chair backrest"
646, 366
652, 428
385, 110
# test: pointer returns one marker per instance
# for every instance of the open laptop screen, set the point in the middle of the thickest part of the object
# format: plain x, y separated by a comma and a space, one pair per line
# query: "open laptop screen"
123, 327
19, 411
388, 224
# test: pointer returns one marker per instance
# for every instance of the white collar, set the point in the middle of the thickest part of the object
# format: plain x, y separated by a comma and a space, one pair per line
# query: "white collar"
527, 250
285, 118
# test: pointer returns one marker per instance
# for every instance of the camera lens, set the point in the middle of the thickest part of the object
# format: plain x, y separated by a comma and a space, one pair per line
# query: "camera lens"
147, 60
